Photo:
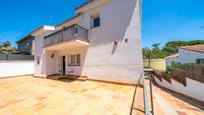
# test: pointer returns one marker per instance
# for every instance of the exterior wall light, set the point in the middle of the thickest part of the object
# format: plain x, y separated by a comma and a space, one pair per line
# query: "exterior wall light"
52, 55
126, 40
116, 42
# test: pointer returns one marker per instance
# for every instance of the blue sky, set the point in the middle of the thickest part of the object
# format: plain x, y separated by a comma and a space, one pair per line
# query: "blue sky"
163, 20
167, 20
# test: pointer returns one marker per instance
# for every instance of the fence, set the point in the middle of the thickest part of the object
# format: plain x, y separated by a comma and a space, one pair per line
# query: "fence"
16, 68
195, 72
192, 89
187, 80
192, 71
179, 76
16, 57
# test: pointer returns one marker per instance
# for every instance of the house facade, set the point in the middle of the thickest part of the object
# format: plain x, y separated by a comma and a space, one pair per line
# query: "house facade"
102, 42
187, 54
25, 45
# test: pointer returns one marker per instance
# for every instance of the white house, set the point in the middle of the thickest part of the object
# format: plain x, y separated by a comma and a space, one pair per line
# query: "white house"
102, 42
187, 54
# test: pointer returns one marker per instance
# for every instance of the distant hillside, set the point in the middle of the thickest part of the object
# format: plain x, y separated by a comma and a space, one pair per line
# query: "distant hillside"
170, 48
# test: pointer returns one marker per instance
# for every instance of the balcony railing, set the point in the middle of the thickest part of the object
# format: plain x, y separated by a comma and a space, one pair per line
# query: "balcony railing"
66, 34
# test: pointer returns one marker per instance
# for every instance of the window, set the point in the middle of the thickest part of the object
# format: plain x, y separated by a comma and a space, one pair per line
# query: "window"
75, 60
27, 45
74, 30
20, 46
95, 21
199, 61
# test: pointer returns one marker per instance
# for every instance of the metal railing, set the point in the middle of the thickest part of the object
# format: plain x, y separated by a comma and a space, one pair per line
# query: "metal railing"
151, 96
66, 34
150, 78
146, 100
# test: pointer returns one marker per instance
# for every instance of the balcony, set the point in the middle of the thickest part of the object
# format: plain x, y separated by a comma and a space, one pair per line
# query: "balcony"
67, 36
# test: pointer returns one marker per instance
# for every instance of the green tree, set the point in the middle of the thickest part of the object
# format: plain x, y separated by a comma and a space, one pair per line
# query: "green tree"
155, 46
172, 46
1, 51
6, 44
147, 53
195, 42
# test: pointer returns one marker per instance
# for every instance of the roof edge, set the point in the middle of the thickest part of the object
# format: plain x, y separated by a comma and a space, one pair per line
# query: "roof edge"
85, 4
24, 38
41, 27
70, 19
192, 50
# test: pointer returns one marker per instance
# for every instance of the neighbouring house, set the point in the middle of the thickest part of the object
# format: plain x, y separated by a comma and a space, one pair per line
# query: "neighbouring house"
187, 54
102, 42
25, 45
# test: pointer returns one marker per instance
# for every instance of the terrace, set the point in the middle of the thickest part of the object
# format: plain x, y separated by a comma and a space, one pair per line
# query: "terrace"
30, 95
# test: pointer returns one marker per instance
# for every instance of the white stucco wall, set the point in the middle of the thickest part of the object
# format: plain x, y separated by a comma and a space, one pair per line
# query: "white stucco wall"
16, 68
192, 88
120, 20
170, 60
77, 70
187, 56
40, 68
51, 63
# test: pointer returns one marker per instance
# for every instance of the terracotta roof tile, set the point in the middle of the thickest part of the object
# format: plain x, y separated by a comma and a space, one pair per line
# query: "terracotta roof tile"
198, 48
69, 19
37, 29
7, 48
85, 4
25, 38
173, 56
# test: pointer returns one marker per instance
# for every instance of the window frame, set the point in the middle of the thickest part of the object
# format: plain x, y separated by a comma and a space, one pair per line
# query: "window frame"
94, 18
199, 61
75, 60
27, 45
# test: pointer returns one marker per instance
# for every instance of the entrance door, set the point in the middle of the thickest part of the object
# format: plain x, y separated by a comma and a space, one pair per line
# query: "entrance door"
63, 65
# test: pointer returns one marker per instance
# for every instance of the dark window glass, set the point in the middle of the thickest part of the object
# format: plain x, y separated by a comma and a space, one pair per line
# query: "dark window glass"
96, 22
75, 60
78, 58
199, 61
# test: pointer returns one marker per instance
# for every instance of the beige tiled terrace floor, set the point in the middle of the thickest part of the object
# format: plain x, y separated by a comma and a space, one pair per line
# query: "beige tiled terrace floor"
28, 95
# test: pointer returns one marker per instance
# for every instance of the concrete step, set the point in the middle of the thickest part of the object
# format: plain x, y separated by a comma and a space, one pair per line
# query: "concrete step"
80, 78
72, 77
